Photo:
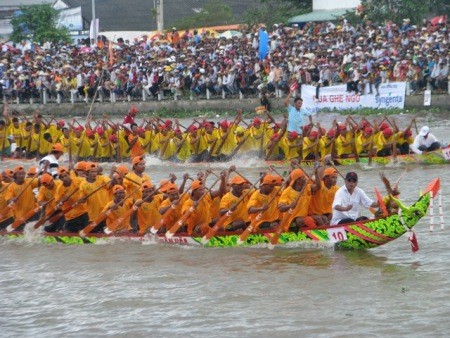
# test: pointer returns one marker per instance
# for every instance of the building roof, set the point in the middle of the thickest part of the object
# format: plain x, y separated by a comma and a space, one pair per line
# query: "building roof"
318, 15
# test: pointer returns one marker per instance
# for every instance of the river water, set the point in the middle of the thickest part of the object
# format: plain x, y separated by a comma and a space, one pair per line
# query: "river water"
147, 289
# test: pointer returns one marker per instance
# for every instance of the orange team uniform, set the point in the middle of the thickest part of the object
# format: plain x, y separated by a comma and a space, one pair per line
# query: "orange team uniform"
301, 209
241, 213
131, 181
96, 201
63, 191
170, 217
45, 194
201, 215
137, 149
3, 203
148, 213
113, 215
322, 200
26, 201
258, 200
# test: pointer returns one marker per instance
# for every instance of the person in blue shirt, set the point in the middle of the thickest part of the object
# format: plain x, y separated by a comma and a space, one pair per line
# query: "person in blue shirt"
296, 114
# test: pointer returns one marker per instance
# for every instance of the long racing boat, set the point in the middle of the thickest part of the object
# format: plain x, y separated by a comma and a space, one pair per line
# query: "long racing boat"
359, 235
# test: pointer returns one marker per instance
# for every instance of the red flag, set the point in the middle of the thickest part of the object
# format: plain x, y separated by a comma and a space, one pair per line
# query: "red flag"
413, 241
111, 53
294, 86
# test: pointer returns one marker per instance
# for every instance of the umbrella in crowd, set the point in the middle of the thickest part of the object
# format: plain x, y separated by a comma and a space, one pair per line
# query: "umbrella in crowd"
230, 34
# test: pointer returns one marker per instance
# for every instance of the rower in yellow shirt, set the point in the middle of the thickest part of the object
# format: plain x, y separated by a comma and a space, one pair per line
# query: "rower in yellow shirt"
344, 142
46, 195
310, 149
291, 143
116, 208
182, 147
322, 200
365, 141
7, 218
327, 143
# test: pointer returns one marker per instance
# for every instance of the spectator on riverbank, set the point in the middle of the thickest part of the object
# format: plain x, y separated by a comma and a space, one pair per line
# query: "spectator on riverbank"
194, 62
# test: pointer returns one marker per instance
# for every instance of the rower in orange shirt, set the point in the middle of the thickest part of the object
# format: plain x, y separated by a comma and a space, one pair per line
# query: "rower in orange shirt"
148, 211
259, 204
200, 218
46, 196
290, 199
172, 200
116, 208
77, 218
26, 202
322, 200
6, 219
96, 201
239, 219
136, 177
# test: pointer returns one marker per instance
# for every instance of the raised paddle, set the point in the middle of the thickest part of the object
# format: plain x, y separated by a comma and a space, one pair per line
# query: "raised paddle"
221, 222
116, 225
91, 226
24, 219
48, 216
178, 224
169, 211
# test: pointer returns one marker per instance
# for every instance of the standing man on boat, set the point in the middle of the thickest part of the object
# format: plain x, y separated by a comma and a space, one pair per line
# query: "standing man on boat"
347, 200
425, 142
296, 114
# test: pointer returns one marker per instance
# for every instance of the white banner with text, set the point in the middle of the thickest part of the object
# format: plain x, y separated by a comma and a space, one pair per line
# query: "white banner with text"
391, 95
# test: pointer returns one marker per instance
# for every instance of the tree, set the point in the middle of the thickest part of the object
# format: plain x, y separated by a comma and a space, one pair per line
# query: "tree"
270, 12
214, 13
379, 11
38, 23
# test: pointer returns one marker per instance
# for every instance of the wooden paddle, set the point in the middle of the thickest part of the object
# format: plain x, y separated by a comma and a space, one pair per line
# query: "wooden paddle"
48, 216
116, 225
54, 218
284, 222
91, 226
222, 220
252, 227
154, 229
178, 224
24, 219
224, 138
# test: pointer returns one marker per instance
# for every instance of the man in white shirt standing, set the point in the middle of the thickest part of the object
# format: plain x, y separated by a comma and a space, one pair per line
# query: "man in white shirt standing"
425, 141
347, 200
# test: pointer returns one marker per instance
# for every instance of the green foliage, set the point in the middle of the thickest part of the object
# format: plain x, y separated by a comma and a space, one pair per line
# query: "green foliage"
38, 23
270, 12
396, 10
214, 13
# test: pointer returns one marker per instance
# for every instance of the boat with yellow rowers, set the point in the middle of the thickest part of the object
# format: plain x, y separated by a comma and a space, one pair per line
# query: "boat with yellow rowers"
359, 235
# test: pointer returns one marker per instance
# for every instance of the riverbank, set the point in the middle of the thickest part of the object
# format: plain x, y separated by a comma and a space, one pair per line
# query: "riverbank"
190, 108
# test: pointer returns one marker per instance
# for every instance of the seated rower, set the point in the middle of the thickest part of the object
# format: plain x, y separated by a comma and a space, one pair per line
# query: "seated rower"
148, 207
239, 218
322, 199
262, 205
200, 217
297, 197
425, 142
116, 208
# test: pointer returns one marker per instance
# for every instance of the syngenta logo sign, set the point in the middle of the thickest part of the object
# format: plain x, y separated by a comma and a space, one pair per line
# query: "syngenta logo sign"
387, 101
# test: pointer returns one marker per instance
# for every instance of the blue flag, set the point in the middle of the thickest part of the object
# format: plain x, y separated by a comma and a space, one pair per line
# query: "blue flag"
263, 44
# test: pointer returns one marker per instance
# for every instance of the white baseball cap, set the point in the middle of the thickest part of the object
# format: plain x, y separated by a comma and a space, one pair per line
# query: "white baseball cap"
424, 131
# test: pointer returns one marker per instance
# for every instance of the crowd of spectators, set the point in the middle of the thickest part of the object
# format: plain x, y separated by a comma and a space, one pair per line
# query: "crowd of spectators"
188, 64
